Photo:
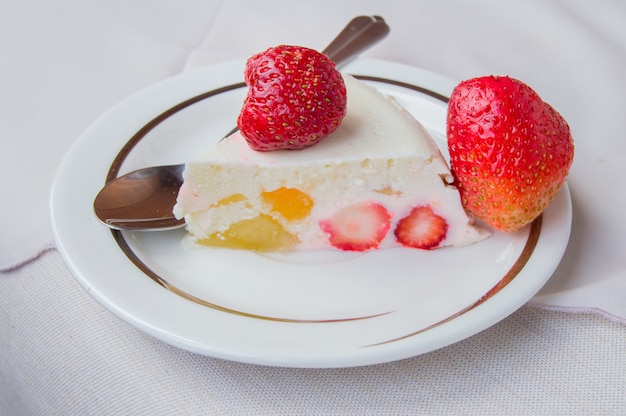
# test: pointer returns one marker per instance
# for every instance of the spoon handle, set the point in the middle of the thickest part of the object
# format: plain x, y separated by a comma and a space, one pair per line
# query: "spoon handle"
361, 33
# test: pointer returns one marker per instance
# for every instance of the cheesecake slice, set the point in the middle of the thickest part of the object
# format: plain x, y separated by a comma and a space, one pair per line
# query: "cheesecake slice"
379, 181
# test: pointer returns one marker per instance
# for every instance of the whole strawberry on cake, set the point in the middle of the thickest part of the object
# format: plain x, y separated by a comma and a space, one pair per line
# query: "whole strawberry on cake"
321, 161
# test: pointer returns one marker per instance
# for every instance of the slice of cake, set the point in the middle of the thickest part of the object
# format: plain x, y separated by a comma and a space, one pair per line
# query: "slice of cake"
377, 181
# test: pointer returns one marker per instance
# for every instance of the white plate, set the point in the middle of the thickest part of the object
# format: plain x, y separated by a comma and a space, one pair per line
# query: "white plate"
320, 309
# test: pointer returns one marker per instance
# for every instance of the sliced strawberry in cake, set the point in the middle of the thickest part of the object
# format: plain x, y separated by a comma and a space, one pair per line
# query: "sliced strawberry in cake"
357, 227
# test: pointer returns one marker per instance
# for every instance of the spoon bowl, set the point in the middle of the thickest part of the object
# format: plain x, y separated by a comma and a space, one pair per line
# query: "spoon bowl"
141, 200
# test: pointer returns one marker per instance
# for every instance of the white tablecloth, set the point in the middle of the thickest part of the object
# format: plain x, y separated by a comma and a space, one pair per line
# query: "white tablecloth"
64, 63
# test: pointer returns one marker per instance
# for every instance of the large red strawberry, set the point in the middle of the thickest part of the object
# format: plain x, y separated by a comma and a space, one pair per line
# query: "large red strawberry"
296, 98
509, 151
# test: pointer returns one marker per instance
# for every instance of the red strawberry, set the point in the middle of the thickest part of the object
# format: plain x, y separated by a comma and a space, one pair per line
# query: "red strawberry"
509, 151
422, 228
357, 227
296, 97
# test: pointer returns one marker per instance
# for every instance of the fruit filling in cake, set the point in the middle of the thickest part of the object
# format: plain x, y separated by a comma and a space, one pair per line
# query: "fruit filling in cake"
321, 161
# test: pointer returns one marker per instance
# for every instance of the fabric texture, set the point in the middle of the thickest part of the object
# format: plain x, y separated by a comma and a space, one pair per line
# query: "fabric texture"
61, 353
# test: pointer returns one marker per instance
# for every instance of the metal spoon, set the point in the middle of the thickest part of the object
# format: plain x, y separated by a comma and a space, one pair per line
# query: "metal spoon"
143, 200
